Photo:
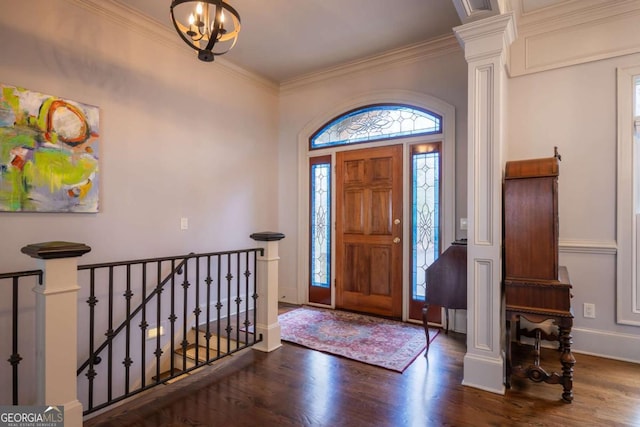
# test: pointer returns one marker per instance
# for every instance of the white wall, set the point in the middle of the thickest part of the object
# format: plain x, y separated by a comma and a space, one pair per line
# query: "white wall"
574, 108
443, 77
179, 137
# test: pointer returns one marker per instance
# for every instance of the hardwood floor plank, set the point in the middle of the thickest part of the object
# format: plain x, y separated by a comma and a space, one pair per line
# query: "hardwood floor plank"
295, 386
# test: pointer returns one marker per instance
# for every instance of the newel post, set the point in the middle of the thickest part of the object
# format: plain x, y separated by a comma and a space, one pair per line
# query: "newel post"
56, 326
267, 303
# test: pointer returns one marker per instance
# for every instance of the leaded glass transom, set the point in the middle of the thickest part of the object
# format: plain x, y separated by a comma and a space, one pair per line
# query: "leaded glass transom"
425, 217
320, 224
376, 122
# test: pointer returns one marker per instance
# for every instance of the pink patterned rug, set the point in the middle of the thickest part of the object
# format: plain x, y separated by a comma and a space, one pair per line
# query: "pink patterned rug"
386, 343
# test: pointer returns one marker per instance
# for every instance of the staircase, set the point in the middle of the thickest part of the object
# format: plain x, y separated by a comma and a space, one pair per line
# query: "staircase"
229, 340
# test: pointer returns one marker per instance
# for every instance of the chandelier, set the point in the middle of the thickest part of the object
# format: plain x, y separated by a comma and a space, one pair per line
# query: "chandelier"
210, 27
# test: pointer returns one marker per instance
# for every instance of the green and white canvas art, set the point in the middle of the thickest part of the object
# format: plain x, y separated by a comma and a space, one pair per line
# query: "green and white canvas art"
48, 153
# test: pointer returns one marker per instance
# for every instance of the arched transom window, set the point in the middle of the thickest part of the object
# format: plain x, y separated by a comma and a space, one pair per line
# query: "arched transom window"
376, 122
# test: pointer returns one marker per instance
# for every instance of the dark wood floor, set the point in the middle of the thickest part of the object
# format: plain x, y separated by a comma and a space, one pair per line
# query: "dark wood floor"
294, 386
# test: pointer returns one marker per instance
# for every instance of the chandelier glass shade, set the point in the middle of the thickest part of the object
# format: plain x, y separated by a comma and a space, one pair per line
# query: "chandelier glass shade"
210, 27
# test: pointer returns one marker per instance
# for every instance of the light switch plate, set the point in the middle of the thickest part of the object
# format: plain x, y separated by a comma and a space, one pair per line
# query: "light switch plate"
589, 310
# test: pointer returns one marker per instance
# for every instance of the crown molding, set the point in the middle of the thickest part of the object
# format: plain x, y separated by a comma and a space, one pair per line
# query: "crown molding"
139, 23
433, 48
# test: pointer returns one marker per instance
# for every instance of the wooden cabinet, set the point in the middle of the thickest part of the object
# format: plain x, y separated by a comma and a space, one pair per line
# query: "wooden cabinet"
536, 287
531, 219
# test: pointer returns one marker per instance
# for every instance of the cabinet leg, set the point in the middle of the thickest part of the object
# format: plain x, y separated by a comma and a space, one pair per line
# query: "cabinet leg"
508, 355
568, 361
425, 324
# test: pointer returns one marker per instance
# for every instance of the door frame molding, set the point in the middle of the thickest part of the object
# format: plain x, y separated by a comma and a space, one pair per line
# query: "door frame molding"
448, 205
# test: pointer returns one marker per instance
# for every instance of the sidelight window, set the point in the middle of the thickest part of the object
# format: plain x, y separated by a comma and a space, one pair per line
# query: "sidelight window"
425, 215
320, 230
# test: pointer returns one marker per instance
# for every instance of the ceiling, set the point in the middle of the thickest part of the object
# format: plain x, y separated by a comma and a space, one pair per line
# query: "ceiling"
284, 39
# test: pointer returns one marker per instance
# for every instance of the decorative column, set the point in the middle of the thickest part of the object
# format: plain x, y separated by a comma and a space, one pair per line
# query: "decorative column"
57, 325
267, 303
486, 43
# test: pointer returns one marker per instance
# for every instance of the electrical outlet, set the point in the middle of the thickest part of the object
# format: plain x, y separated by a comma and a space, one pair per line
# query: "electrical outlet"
589, 310
463, 223
184, 223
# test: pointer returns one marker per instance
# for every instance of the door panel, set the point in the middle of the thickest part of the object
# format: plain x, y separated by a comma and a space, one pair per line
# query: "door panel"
354, 211
354, 172
381, 276
368, 245
381, 201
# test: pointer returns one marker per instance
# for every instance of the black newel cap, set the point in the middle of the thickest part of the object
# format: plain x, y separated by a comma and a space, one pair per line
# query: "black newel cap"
267, 236
51, 250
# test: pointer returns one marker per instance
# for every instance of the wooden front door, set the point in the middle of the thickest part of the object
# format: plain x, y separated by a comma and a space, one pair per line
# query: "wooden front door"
369, 230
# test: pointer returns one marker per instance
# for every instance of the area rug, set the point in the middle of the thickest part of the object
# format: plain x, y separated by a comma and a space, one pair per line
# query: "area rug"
375, 341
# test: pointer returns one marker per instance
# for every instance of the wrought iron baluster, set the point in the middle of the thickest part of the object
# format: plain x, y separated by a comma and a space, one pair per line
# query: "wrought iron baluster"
15, 356
227, 329
109, 335
196, 310
185, 298
219, 306
208, 327
172, 321
143, 326
158, 351
92, 301
247, 275
238, 300
255, 296
127, 359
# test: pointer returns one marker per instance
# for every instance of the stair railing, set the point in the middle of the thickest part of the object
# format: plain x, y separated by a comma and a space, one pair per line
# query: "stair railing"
218, 295
15, 357
94, 354
51, 323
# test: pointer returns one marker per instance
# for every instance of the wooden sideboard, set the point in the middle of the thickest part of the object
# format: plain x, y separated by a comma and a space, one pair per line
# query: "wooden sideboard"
536, 287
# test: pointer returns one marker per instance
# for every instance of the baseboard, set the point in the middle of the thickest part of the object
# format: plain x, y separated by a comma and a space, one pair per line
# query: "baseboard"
484, 373
288, 294
611, 345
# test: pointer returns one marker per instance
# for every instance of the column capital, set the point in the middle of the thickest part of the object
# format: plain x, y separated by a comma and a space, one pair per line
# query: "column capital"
52, 250
488, 37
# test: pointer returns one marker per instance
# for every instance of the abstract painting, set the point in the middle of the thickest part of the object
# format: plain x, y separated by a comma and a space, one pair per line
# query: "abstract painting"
48, 153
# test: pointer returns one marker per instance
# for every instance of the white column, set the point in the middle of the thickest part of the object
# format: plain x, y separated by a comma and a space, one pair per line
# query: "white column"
57, 325
485, 44
267, 303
